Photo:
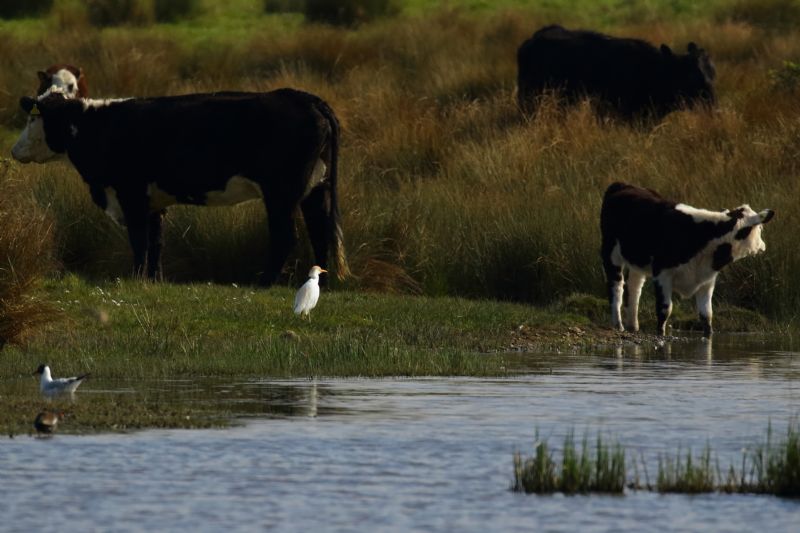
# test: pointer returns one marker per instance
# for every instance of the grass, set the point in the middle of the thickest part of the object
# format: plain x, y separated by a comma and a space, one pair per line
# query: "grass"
599, 470
458, 195
769, 468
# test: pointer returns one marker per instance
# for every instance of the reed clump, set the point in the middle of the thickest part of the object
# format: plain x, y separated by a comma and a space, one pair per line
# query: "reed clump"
26, 253
600, 469
772, 467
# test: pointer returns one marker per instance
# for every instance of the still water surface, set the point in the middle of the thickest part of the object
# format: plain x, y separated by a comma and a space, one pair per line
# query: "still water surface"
419, 454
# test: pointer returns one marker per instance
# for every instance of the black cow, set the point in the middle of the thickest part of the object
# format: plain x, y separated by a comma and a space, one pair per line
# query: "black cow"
681, 247
628, 76
139, 156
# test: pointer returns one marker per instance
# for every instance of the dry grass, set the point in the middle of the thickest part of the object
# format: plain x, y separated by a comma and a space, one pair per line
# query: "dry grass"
444, 187
25, 257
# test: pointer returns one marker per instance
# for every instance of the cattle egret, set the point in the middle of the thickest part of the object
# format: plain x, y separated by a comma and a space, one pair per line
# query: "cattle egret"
308, 295
46, 421
50, 387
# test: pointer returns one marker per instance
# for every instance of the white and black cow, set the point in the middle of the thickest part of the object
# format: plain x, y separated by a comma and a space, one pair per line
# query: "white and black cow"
139, 156
67, 78
682, 248
629, 76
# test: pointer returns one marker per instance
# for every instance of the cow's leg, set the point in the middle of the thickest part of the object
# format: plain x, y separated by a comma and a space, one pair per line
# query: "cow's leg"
663, 288
615, 283
282, 238
137, 235
316, 213
134, 209
154, 244
634, 287
703, 300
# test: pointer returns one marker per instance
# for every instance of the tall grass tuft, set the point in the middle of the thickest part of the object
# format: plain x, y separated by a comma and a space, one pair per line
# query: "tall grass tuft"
775, 467
444, 187
579, 471
26, 251
687, 476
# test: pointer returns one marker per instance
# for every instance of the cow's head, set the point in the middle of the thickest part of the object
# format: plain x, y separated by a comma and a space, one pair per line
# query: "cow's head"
66, 78
49, 128
745, 238
693, 75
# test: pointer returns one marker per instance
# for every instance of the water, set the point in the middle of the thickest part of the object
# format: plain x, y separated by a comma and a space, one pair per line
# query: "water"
421, 454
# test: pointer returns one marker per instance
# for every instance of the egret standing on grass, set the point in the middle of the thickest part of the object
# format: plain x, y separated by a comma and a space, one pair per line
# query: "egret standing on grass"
308, 294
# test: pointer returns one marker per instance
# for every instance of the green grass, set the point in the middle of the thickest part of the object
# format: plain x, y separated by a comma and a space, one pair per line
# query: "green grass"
601, 469
772, 467
138, 330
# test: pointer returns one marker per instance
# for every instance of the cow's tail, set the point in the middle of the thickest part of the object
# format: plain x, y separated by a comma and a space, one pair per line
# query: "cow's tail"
335, 236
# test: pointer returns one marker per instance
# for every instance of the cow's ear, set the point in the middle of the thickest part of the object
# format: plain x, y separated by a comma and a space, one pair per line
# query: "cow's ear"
27, 103
760, 218
666, 50
693, 49
766, 215
43, 77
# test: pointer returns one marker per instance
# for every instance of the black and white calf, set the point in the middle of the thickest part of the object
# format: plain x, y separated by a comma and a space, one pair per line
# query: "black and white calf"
140, 156
682, 248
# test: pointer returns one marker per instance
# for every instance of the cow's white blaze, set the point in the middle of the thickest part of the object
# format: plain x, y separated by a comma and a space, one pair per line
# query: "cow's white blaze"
32, 145
238, 189
66, 82
113, 209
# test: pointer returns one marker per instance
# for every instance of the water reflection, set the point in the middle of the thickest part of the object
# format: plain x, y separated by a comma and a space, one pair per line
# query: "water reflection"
420, 454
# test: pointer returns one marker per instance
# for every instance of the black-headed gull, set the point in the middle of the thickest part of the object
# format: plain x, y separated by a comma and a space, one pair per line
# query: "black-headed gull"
46, 421
308, 295
49, 386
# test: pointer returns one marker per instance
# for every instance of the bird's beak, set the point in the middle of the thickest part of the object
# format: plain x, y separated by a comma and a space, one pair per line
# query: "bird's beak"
323, 270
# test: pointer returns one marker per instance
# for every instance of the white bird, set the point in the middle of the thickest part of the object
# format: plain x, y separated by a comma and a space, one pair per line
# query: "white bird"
50, 387
308, 295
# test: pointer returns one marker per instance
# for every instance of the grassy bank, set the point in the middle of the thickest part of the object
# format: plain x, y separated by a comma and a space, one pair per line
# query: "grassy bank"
131, 334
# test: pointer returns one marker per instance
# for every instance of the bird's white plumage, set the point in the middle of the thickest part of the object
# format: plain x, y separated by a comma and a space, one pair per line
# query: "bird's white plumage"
308, 295
50, 387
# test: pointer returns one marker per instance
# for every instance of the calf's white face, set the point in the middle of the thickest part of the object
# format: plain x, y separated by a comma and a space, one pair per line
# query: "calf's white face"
66, 82
32, 145
746, 238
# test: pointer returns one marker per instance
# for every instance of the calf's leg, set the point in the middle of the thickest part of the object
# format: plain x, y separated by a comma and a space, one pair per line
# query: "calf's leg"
634, 287
615, 288
703, 301
663, 288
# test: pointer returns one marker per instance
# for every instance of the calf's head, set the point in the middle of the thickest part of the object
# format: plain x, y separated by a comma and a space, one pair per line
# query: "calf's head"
745, 238
49, 127
66, 78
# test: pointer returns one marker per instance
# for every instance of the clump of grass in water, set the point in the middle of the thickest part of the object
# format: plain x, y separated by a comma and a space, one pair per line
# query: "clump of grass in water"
775, 467
579, 472
772, 468
689, 477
